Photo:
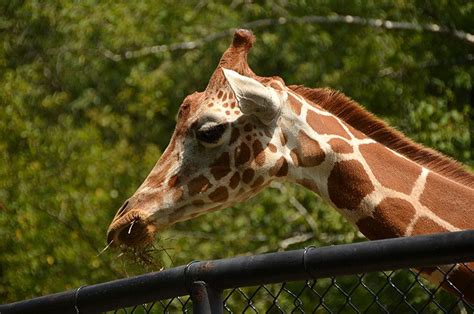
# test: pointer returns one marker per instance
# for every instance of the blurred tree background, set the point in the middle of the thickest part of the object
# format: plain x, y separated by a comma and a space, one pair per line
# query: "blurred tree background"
89, 92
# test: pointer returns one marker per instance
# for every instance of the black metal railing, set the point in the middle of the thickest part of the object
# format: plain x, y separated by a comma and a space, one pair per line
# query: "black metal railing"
360, 277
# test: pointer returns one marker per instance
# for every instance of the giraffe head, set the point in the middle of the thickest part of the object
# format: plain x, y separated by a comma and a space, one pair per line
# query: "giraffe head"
220, 153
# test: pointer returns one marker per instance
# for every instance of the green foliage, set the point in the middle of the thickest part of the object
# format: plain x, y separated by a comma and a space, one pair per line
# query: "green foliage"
79, 131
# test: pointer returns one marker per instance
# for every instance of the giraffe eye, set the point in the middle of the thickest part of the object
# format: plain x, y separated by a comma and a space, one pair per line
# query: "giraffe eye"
210, 133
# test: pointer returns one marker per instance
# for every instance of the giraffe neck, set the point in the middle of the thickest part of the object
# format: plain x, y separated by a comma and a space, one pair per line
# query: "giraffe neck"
380, 191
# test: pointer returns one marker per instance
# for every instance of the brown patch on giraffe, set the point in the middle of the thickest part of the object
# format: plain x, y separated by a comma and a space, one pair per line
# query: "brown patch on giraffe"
283, 138
248, 127
156, 178
138, 200
283, 171
463, 279
456, 207
325, 124
234, 180
221, 166
227, 112
219, 94
309, 184
280, 169
242, 154
234, 135
224, 97
295, 105
348, 184
309, 153
294, 157
248, 137
219, 195
267, 132
210, 104
185, 108
272, 147
248, 175
373, 229
236, 111
225, 105
173, 181
340, 146
392, 171
370, 126
390, 219
232, 105
258, 153
425, 225
258, 182
198, 202
428, 270
198, 185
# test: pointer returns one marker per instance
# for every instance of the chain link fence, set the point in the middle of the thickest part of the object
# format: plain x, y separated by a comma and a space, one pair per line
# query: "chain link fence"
371, 277
401, 291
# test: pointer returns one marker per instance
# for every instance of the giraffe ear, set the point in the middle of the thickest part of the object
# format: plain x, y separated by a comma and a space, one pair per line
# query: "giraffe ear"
253, 97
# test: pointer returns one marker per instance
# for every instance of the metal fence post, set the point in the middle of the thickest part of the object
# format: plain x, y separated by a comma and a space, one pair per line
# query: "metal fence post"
206, 299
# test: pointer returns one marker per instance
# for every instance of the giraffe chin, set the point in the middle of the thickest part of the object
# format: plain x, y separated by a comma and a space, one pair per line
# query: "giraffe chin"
131, 230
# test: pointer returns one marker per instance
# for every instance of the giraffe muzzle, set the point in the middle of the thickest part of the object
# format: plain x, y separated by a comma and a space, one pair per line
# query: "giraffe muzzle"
131, 229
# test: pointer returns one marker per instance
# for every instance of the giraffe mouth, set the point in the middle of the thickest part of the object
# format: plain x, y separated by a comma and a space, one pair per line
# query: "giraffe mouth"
132, 230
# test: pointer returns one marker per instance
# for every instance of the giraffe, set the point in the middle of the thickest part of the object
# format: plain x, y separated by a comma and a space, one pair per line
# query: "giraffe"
244, 131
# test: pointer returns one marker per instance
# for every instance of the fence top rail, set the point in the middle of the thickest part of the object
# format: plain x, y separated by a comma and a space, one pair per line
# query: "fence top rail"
312, 262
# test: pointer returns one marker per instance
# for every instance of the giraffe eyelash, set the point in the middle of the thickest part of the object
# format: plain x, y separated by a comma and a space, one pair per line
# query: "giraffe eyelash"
211, 133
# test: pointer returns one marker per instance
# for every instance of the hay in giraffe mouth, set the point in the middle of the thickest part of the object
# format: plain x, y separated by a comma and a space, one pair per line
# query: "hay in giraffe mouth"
131, 230
149, 256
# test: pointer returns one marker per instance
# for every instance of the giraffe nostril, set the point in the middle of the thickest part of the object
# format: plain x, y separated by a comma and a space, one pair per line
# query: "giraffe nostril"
122, 209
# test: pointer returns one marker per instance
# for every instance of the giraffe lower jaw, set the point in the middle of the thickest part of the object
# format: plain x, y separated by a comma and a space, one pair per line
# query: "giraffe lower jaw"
132, 229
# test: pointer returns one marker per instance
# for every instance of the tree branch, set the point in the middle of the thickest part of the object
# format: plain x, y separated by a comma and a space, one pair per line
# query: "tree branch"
299, 207
309, 19
91, 242
296, 239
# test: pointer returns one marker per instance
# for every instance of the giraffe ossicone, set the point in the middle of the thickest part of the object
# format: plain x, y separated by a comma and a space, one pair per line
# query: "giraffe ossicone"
245, 131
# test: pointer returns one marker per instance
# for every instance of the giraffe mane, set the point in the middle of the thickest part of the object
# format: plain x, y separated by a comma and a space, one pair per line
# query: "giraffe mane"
355, 115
